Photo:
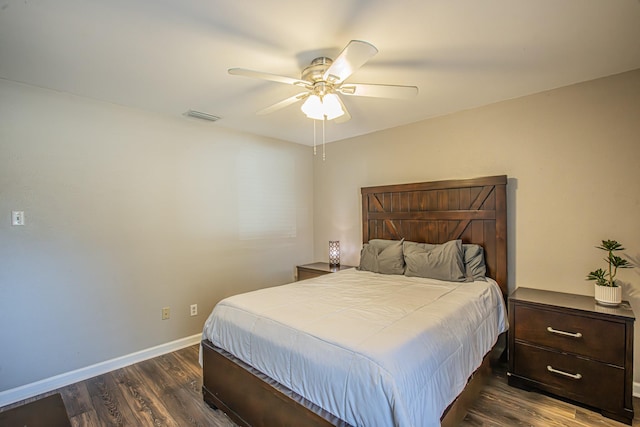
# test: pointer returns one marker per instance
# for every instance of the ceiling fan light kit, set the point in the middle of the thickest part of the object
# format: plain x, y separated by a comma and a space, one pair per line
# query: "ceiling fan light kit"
325, 107
324, 78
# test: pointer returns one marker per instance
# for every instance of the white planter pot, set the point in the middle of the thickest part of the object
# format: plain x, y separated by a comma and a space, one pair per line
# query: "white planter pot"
608, 295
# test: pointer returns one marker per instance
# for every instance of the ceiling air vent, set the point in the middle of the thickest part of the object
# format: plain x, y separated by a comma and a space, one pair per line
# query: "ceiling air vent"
202, 116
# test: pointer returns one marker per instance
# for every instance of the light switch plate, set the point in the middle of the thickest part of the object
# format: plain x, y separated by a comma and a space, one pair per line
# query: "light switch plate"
17, 218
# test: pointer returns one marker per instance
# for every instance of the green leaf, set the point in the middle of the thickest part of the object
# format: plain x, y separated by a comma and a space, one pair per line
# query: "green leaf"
610, 245
619, 262
599, 274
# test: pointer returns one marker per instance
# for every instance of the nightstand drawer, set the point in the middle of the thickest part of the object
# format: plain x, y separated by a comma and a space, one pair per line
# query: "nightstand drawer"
598, 339
593, 383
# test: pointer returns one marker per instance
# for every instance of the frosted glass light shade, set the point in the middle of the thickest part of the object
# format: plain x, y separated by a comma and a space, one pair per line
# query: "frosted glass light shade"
312, 107
317, 108
332, 107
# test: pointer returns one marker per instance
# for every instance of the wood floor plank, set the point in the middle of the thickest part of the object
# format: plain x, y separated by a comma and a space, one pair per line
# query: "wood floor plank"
142, 399
85, 419
172, 396
177, 383
110, 405
76, 399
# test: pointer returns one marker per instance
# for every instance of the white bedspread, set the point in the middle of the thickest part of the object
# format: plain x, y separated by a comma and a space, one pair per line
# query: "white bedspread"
374, 350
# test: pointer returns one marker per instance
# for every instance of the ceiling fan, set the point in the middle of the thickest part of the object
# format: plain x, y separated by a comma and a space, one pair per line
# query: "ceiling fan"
325, 78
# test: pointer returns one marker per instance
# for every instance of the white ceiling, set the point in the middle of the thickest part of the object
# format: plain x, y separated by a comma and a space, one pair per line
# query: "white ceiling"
169, 56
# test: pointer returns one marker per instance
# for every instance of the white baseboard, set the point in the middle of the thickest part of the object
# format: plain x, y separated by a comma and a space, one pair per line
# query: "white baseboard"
26, 391
636, 389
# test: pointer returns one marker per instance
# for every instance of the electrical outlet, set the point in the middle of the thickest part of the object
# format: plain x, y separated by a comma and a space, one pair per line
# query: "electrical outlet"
166, 313
194, 309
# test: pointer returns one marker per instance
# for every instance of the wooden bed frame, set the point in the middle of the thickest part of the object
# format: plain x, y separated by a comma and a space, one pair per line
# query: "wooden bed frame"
473, 210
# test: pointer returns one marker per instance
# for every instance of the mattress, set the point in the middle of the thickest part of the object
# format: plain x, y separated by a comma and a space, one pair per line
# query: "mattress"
372, 349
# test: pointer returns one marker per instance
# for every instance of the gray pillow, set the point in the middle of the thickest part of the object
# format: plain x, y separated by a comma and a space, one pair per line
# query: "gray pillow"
475, 268
442, 262
382, 256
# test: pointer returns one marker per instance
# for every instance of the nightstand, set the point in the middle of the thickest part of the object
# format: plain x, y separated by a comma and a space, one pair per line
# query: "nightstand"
309, 271
570, 346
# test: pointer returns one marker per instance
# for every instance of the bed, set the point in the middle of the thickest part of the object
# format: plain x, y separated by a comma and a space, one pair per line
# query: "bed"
352, 390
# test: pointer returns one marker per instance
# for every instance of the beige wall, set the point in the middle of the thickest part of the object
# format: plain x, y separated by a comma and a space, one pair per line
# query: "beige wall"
128, 212
572, 156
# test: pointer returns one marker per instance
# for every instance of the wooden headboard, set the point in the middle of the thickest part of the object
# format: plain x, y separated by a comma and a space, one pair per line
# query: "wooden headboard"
474, 210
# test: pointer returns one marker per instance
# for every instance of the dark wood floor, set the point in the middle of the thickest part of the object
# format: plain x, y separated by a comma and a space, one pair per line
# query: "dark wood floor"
165, 391
502, 405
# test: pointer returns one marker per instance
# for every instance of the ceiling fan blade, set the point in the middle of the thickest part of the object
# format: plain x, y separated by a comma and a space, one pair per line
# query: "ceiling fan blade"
346, 116
378, 91
268, 76
284, 103
350, 59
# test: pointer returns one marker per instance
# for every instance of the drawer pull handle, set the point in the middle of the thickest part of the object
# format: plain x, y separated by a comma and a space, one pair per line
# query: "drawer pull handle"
567, 334
566, 374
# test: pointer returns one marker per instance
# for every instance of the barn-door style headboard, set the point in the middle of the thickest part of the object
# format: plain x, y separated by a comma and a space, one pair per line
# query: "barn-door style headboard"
473, 210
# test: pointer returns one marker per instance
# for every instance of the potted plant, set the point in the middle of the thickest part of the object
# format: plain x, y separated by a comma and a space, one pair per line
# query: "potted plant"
607, 291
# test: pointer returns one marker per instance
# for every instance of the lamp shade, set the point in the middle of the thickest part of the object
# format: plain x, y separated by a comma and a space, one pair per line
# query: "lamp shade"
334, 253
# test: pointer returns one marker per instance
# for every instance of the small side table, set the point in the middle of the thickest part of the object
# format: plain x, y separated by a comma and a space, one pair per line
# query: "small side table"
570, 346
309, 271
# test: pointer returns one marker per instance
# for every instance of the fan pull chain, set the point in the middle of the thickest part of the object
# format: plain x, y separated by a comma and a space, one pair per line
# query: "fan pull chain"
324, 154
314, 137
323, 122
